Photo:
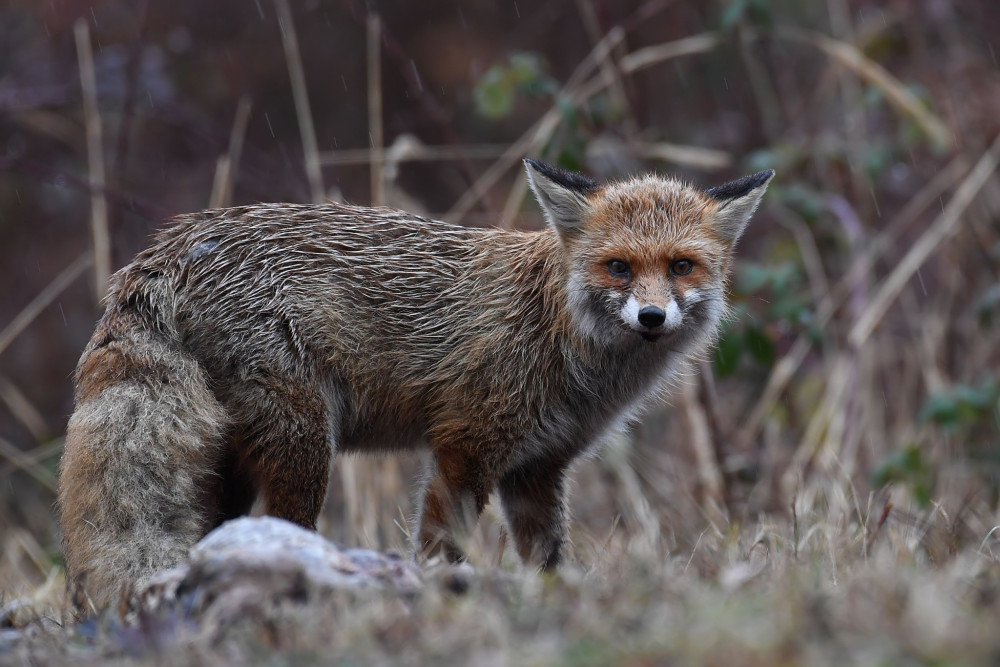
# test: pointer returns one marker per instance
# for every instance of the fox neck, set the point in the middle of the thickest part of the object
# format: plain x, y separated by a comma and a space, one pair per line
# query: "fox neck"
599, 355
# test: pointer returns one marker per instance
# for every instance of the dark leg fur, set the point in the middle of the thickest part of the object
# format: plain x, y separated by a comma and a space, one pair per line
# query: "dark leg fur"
533, 498
287, 447
455, 494
236, 491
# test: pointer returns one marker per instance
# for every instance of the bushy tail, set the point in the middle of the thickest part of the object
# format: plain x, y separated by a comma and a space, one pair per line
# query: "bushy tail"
136, 475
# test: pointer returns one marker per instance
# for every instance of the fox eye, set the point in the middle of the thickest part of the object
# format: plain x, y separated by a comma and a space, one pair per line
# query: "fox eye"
619, 269
681, 267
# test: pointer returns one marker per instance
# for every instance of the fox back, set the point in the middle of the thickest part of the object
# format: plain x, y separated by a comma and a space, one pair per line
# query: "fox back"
247, 346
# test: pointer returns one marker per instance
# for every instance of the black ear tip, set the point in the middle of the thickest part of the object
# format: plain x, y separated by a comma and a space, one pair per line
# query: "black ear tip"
568, 179
741, 186
758, 179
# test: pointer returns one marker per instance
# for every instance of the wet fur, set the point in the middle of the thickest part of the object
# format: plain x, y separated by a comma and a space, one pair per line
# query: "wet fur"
248, 345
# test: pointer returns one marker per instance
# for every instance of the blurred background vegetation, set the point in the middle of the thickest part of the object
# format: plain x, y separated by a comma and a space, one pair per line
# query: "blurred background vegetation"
859, 378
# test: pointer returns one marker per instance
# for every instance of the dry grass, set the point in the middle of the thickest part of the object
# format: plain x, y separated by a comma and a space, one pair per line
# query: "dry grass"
749, 595
833, 504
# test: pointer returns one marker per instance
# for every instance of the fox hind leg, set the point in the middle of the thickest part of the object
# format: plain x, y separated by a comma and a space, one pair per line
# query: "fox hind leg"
288, 447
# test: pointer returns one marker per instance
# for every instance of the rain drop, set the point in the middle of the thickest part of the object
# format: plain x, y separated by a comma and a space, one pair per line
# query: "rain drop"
875, 201
416, 75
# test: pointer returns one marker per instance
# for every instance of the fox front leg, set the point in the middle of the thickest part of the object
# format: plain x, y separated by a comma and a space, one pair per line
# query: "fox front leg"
534, 502
455, 494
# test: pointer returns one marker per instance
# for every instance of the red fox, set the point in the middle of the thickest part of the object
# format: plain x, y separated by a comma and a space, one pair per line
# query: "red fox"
248, 345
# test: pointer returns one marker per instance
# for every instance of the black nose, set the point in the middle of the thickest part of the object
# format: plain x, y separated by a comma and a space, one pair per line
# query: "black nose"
652, 317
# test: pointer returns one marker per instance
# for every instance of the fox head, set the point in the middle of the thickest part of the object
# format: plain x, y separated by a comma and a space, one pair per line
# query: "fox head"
648, 257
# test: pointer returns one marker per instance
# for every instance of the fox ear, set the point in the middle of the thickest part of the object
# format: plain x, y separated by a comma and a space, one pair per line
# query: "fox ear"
737, 201
561, 194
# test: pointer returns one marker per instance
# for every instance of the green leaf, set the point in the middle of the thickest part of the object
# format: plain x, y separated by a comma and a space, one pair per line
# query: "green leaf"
760, 345
760, 12
527, 73
734, 12
494, 94
942, 409
809, 203
907, 466
792, 308
988, 304
752, 278
568, 110
960, 403
728, 352
571, 158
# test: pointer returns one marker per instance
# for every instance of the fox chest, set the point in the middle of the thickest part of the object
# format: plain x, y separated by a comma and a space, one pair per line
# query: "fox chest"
591, 406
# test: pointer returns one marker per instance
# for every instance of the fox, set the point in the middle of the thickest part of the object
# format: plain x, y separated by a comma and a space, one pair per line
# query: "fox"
247, 346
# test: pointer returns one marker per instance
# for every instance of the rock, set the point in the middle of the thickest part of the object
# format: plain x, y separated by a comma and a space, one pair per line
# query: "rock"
249, 562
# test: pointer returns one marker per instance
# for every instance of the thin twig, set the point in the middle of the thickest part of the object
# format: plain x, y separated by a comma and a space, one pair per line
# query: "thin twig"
46, 173
23, 410
376, 166
537, 133
896, 93
808, 250
44, 298
782, 372
709, 471
708, 159
229, 164
691, 156
514, 201
414, 152
407, 69
795, 526
842, 52
608, 66
33, 456
763, 89
16, 456
577, 92
883, 517
301, 95
653, 55
132, 68
942, 227
95, 161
